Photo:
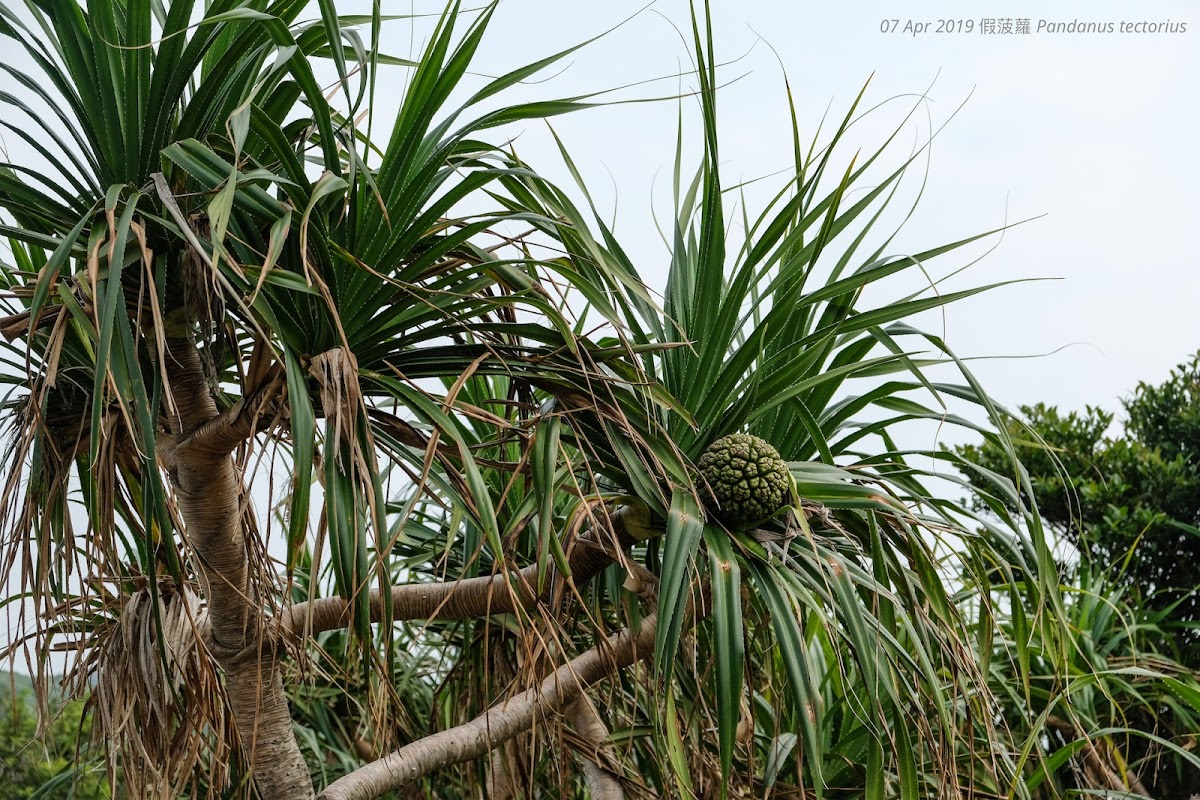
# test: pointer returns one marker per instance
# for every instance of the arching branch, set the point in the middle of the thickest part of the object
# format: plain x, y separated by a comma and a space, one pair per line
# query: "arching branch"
472, 597
497, 725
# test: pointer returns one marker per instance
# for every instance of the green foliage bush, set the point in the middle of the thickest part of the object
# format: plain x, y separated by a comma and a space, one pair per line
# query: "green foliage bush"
53, 765
1129, 501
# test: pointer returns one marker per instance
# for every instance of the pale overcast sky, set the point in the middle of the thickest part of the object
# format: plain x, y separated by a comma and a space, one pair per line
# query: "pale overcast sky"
1094, 131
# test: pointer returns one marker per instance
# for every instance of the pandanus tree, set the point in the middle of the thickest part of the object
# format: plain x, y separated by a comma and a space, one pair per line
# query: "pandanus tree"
346, 450
209, 267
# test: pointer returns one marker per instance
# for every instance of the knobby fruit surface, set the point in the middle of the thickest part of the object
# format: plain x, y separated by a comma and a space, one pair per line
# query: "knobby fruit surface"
743, 480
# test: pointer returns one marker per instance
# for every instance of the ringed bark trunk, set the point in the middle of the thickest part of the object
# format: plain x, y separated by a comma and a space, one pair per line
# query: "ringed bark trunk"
209, 492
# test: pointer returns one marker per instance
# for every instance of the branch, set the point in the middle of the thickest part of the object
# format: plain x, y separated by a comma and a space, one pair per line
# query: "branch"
499, 724
501, 775
601, 783
221, 435
473, 597
248, 416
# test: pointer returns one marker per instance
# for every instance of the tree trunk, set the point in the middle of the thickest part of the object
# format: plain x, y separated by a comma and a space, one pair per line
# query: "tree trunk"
210, 492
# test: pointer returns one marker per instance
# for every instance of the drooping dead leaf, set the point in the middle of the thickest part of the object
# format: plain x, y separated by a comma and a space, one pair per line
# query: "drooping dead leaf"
157, 700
